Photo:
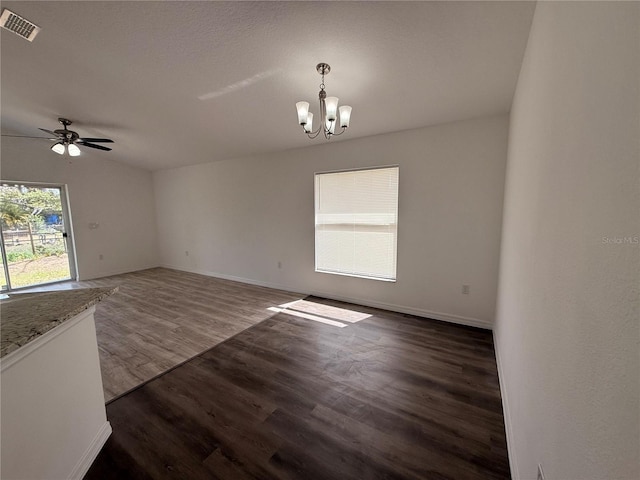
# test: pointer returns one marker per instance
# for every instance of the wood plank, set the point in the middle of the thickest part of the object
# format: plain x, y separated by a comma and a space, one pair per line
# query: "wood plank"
161, 318
387, 396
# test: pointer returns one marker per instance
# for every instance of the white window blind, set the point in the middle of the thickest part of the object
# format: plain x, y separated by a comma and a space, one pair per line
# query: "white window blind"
357, 222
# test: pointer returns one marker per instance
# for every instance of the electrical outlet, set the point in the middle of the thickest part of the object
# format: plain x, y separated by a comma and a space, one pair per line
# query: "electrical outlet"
466, 289
279, 264
540, 472
100, 257
186, 253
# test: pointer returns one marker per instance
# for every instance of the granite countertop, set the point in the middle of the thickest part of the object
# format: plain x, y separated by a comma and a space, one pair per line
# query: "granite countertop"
26, 316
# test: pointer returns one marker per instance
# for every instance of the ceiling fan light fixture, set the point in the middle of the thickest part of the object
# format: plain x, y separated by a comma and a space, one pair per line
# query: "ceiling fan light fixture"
67, 141
74, 151
58, 148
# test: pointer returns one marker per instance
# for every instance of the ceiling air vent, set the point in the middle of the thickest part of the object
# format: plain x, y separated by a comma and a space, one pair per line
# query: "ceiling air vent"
18, 25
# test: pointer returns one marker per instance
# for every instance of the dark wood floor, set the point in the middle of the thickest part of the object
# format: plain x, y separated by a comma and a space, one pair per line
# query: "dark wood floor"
323, 390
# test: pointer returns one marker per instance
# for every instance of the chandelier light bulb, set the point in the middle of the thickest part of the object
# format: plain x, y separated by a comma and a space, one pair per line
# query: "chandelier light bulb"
345, 115
308, 127
332, 108
303, 112
330, 127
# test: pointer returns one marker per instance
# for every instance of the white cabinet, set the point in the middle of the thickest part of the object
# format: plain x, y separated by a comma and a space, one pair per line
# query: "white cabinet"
52, 415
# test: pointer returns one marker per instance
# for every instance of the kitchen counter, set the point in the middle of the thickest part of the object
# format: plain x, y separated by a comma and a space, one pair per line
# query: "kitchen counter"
54, 420
26, 316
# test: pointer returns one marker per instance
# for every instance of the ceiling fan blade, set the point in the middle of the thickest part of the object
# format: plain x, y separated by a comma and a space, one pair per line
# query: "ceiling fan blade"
28, 136
97, 140
91, 145
48, 131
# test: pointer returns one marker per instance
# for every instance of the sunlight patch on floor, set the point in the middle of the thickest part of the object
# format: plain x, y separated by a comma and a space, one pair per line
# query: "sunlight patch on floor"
321, 313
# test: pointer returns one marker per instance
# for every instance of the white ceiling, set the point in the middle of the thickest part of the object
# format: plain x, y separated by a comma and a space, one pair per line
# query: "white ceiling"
180, 83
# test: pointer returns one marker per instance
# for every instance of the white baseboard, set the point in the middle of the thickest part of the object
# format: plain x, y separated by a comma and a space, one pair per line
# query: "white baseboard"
446, 317
513, 464
419, 312
83, 465
233, 278
111, 273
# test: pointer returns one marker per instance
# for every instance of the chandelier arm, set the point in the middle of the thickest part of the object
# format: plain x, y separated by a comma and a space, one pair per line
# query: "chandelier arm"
337, 134
327, 133
313, 135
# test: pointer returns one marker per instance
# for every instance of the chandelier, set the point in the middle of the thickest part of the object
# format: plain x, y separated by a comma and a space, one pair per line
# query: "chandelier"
328, 111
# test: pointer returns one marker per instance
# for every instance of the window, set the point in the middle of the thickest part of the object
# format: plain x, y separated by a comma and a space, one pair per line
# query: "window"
357, 222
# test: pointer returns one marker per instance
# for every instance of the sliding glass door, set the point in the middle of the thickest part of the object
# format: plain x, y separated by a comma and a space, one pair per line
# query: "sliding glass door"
5, 272
36, 236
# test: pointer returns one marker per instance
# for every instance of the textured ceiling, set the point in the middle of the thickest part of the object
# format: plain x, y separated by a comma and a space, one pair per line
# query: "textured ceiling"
180, 83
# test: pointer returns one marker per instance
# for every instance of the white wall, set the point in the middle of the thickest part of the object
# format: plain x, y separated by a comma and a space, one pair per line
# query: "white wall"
567, 327
239, 218
117, 197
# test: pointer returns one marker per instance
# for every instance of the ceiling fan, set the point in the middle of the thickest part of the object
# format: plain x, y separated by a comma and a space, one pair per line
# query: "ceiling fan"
68, 140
